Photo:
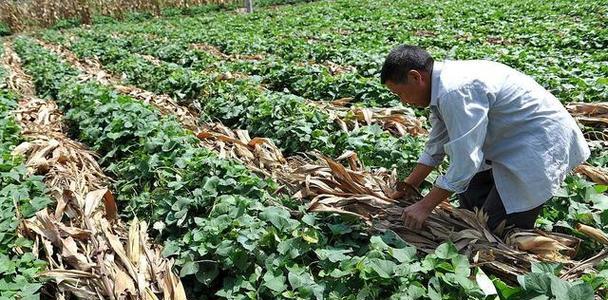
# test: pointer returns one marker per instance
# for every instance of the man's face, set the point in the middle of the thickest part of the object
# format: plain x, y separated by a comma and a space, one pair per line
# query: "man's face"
415, 91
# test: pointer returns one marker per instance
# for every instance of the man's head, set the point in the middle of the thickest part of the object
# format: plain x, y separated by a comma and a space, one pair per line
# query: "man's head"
407, 73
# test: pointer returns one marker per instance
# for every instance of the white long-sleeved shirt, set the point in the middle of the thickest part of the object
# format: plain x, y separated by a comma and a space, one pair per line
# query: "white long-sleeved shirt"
486, 111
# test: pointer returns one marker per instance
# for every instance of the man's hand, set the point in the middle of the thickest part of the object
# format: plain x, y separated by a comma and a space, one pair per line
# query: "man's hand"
411, 183
416, 214
402, 190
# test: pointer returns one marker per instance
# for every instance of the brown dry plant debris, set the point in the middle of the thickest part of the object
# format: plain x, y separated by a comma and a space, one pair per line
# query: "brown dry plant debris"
334, 188
593, 115
214, 51
29, 14
91, 69
332, 68
596, 174
90, 252
257, 155
16, 80
337, 189
397, 121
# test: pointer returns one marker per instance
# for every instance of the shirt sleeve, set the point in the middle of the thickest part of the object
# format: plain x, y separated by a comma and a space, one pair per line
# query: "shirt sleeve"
465, 114
433, 151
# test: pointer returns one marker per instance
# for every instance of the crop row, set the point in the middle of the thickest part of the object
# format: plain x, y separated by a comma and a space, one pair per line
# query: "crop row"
21, 195
308, 80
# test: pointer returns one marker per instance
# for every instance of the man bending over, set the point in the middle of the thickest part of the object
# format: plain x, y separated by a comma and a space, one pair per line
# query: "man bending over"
510, 142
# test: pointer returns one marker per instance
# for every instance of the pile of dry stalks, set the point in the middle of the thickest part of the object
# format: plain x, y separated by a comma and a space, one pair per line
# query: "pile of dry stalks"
28, 14
90, 252
593, 115
594, 118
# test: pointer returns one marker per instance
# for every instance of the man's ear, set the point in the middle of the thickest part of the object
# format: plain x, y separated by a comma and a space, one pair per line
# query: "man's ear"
414, 75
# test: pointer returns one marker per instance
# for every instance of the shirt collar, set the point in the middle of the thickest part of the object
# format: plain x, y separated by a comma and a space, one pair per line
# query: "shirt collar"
435, 82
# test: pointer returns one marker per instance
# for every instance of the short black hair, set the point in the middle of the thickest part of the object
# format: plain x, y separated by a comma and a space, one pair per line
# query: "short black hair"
403, 59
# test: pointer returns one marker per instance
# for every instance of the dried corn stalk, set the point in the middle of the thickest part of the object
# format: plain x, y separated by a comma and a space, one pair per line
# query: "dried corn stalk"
90, 69
594, 115
593, 233
397, 121
596, 174
89, 251
221, 55
29, 14
16, 80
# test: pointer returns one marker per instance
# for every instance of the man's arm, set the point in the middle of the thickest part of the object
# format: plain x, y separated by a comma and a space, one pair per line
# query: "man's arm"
466, 118
419, 174
415, 179
414, 215
431, 157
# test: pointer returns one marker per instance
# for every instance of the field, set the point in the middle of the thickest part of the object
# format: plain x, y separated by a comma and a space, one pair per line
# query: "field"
248, 156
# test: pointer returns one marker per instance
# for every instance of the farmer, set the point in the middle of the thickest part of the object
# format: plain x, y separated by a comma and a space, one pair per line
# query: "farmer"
510, 142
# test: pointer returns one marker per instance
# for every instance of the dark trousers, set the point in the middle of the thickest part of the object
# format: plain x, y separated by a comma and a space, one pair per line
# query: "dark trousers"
482, 194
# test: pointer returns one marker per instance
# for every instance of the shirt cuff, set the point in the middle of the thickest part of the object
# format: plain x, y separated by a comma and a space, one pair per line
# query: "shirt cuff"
428, 160
443, 183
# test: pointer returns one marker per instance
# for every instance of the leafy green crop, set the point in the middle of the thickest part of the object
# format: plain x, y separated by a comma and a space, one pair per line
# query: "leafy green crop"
21, 195
230, 235
542, 283
559, 43
292, 123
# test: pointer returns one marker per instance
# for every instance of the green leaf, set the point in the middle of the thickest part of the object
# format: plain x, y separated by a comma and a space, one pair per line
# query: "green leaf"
188, 268
485, 283
446, 251
504, 290
384, 268
536, 282
461, 266
333, 255
208, 270
339, 229
279, 217
600, 201
561, 192
293, 247
601, 188
546, 267
581, 291
171, 248
376, 242
300, 279
602, 80
403, 255
310, 236
275, 283
559, 288
309, 219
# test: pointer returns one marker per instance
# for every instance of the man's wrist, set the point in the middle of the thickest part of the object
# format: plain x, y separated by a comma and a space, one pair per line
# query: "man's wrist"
403, 186
435, 197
